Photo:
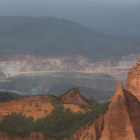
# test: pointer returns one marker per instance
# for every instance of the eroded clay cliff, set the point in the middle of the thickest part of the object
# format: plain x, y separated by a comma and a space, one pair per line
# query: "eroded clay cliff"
120, 122
73, 96
35, 106
133, 80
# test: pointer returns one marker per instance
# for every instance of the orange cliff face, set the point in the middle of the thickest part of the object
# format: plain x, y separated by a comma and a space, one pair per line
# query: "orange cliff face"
133, 80
90, 131
117, 123
73, 96
34, 106
120, 122
122, 118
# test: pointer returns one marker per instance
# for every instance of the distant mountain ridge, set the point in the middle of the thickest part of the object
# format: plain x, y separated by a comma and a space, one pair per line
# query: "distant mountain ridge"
51, 36
13, 65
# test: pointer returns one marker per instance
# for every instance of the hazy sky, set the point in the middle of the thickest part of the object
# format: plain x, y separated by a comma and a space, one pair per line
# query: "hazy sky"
105, 16
16, 2
45, 7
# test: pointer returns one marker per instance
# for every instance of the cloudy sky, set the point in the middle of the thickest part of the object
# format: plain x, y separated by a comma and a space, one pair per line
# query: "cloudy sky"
112, 17
32, 7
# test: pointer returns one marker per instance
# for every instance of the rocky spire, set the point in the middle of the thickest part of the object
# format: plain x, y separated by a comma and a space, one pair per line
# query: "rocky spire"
133, 80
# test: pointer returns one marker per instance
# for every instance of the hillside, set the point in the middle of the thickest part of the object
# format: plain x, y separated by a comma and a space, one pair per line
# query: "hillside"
34, 110
121, 20
40, 106
73, 96
96, 85
117, 119
58, 74
54, 37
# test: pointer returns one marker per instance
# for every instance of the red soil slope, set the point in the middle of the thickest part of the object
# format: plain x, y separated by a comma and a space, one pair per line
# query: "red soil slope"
120, 122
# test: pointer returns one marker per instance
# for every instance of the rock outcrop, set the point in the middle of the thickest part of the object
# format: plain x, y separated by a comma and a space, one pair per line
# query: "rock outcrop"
34, 106
91, 131
133, 80
73, 96
117, 123
120, 122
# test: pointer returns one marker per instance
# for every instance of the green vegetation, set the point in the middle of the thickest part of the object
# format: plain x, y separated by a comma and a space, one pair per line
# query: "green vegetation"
16, 124
86, 108
59, 124
8, 96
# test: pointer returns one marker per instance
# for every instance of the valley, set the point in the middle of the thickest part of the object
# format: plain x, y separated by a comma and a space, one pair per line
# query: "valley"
80, 118
69, 70
95, 78
38, 53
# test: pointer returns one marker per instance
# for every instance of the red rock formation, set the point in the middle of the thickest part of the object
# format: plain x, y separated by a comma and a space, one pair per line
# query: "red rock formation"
34, 106
133, 107
117, 123
120, 122
133, 80
90, 131
73, 96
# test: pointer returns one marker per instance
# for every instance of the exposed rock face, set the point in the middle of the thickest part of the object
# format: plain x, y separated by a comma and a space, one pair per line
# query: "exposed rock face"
74, 108
117, 123
133, 80
35, 106
19, 64
134, 112
73, 96
91, 131
120, 122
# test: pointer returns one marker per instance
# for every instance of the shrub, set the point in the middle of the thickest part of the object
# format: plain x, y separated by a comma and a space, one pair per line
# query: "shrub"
16, 124
59, 124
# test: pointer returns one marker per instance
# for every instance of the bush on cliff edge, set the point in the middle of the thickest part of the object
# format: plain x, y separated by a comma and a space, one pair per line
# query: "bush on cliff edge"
59, 124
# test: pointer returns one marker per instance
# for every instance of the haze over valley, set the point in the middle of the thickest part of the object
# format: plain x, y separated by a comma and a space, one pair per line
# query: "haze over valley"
32, 46
60, 62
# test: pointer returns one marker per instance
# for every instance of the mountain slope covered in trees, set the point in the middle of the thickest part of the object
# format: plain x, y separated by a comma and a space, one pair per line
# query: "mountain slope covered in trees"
54, 37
